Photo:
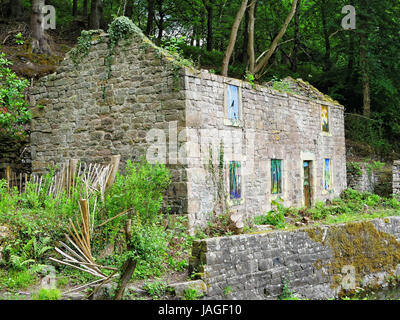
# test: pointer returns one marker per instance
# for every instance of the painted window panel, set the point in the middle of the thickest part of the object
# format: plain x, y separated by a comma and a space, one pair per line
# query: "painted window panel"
233, 102
325, 118
276, 176
235, 183
327, 174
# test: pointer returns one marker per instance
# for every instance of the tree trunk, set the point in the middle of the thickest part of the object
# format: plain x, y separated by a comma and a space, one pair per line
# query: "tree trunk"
74, 8
327, 57
264, 62
295, 59
85, 8
250, 46
365, 77
209, 6
96, 13
232, 39
129, 266
129, 9
39, 39
160, 23
150, 17
15, 8
244, 55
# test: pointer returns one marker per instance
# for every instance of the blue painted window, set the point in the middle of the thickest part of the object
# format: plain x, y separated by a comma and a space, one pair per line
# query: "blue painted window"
233, 102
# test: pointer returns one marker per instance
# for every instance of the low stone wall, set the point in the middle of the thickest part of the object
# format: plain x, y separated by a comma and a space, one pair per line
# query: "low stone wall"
365, 178
312, 262
359, 178
396, 178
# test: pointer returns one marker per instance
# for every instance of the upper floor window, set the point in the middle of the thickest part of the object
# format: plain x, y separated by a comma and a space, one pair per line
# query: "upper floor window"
325, 118
233, 106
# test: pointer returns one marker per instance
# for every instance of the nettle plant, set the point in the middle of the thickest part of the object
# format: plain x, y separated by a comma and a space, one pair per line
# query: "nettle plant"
14, 113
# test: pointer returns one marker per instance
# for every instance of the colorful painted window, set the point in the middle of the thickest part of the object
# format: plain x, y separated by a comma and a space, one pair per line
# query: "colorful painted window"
235, 183
233, 102
276, 176
325, 118
327, 174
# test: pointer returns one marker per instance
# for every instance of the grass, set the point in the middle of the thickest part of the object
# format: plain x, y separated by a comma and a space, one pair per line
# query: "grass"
351, 206
16, 280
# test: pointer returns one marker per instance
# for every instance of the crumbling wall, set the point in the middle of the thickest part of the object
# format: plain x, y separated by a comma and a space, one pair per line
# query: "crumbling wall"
107, 104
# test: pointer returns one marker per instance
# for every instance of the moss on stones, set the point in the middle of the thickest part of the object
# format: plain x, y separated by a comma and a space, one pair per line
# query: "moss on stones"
359, 245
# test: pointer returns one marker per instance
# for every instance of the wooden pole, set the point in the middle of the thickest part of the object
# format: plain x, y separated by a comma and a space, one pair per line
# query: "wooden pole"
8, 176
73, 164
114, 169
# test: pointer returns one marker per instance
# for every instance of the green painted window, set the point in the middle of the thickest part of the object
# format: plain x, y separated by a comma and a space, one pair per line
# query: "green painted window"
276, 176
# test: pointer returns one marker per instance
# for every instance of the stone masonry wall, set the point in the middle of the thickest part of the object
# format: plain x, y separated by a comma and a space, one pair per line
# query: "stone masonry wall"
274, 125
396, 179
81, 113
363, 180
312, 262
15, 154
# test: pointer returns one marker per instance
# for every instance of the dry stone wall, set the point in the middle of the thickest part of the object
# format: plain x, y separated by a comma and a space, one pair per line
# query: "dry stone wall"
314, 263
396, 179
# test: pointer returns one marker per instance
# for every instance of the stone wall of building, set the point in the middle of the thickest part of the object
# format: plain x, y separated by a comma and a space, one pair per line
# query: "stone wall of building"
315, 263
274, 125
16, 154
80, 112
396, 179
148, 104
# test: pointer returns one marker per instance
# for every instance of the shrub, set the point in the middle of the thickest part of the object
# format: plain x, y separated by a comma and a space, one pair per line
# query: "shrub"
274, 217
141, 189
13, 107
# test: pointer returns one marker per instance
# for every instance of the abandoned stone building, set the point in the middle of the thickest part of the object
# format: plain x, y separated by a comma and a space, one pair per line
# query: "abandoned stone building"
226, 142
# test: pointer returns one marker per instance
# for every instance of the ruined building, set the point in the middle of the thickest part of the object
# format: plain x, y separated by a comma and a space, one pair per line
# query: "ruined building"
228, 143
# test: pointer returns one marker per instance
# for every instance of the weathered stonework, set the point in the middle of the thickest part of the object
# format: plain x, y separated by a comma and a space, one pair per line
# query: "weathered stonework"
274, 125
396, 179
311, 261
89, 116
16, 154
362, 180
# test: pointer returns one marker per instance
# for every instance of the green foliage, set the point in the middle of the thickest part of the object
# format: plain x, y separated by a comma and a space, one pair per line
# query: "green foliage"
368, 131
16, 279
84, 44
47, 294
250, 78
142, 189
191, 294
13, 107
274, 217
174, 45
156, 288
287, 293
19, 39
354, 168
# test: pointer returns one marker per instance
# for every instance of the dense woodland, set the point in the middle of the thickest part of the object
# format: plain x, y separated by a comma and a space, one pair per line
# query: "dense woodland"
257, 40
